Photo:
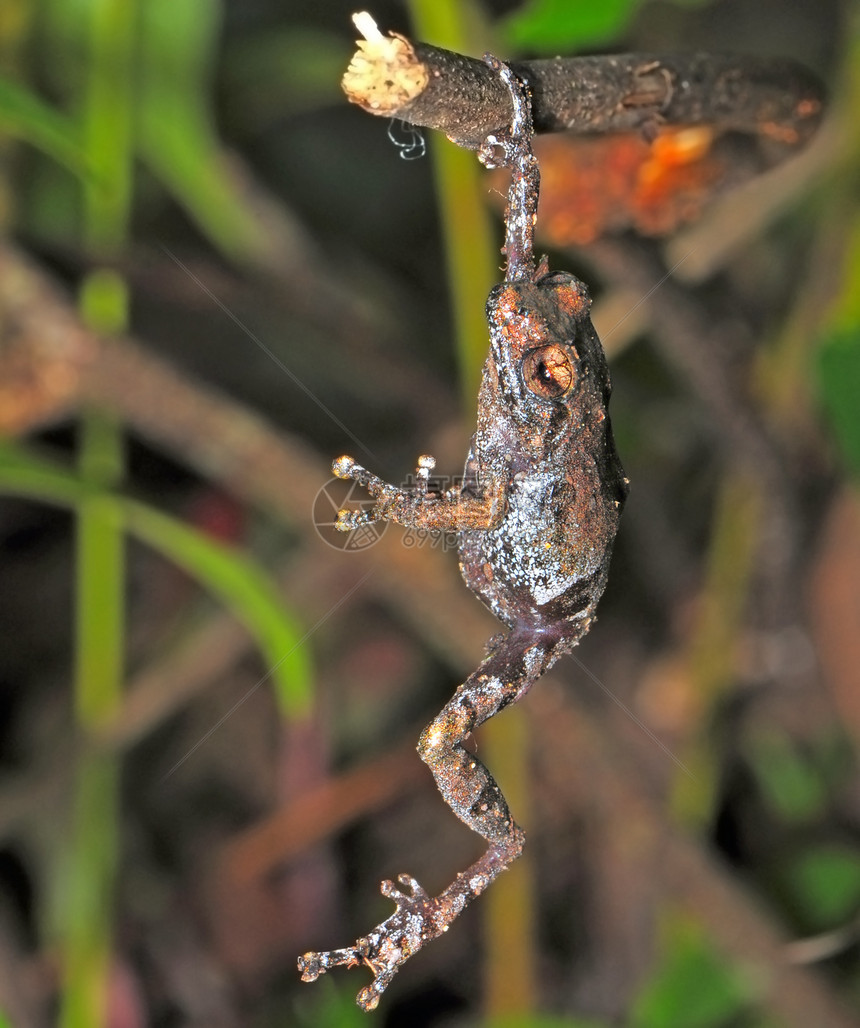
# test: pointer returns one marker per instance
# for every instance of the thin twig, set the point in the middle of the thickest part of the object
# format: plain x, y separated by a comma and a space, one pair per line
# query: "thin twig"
461, 96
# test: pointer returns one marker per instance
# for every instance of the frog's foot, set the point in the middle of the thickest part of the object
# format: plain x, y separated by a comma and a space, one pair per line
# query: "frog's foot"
393, 502
417, 919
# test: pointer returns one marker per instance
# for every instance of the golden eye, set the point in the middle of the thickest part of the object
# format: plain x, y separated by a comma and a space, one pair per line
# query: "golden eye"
548, 372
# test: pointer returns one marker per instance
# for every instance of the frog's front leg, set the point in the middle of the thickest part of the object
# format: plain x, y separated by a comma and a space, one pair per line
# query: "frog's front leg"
414, 507
470, 790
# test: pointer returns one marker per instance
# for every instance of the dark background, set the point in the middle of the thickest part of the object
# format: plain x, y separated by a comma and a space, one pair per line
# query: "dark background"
689, 785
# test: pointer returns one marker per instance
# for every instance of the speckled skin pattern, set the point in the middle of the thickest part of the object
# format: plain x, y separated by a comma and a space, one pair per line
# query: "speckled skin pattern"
536, 515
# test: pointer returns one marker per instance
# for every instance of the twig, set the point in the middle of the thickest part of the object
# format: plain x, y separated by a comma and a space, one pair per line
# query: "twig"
43, 347
318, 813
462, 97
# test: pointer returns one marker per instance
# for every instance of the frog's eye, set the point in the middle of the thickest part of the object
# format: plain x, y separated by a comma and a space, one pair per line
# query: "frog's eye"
548, 371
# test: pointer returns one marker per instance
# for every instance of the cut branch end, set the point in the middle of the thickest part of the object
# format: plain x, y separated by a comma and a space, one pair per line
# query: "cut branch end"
384, 74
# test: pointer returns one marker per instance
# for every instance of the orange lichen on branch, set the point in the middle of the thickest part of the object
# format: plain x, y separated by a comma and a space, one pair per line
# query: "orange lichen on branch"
597, 185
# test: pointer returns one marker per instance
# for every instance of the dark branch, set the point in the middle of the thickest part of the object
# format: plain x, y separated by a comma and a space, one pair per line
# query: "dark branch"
464, 98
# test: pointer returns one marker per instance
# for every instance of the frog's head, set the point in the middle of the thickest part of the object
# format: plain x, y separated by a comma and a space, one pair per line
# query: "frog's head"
549, 363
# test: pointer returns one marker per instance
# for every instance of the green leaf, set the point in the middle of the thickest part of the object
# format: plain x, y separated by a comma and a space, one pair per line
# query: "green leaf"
544, 1021
790, 783
839, 389
25, 116
330, 1005
177, 138
694, 987
824, 883
281, 72
545, 26
228, 573
242, 586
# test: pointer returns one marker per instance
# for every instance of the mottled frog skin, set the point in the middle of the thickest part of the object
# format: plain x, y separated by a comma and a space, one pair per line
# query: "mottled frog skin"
544, 430
536, 515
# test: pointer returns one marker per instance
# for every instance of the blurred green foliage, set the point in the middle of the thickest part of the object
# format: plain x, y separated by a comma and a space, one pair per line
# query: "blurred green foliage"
177, 138
234, 577
538, 1021
838, 356
136, 79
788, 781
553, 26
162, 120
25, 116
284, 72
692, 985
838, 369
822, 883
330, 1006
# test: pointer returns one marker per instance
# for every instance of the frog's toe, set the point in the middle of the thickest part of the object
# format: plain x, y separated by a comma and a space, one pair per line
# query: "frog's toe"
343, 467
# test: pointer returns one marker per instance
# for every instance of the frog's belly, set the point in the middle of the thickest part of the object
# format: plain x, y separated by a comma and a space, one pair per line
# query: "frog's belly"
535, 559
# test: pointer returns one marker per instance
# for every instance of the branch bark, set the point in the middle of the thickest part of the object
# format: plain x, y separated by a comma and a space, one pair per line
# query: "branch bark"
461, 96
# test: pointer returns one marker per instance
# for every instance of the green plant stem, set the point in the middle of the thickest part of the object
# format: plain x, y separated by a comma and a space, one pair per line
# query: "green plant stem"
88, 910
509, 911
101, 579
472, 251
713, 649
100, 593
231, 576
108, 120
472, 264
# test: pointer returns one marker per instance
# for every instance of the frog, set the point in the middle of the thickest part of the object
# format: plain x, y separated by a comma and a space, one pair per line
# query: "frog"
535, 515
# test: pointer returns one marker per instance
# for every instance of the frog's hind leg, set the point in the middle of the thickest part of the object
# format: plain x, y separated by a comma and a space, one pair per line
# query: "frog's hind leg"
467, 786
469, 789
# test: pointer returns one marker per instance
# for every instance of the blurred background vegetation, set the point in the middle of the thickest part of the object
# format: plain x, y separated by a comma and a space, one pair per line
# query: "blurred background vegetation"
215, 276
